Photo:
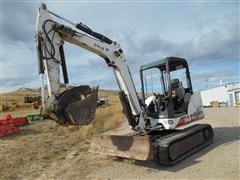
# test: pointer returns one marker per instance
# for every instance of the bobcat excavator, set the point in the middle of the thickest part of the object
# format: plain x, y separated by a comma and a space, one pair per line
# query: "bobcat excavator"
154, 118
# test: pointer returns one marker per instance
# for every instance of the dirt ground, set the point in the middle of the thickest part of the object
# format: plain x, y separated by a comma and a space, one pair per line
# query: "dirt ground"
42, 151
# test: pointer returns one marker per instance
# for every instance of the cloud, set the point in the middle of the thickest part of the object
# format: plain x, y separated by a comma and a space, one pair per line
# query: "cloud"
213, 78
17, 81
196, 7
214, 43
223, 74
18, 65
105, 83
215, 40
18, 20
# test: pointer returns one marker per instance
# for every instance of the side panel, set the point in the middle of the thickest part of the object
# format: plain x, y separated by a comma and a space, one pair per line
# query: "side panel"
195, 112
195, 103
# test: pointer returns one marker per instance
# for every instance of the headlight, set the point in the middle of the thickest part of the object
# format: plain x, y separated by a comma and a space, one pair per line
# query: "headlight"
170, 121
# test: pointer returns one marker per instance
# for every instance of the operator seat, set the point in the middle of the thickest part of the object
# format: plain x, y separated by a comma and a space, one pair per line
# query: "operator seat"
178, 93
178, 90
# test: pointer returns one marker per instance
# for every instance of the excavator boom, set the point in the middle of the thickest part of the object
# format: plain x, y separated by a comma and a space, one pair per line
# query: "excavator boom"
68, 107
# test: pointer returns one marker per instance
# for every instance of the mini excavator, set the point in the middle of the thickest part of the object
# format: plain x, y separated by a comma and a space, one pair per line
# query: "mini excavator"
155, 118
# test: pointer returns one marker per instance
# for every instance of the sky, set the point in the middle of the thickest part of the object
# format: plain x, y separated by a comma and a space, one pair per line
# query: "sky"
206, 33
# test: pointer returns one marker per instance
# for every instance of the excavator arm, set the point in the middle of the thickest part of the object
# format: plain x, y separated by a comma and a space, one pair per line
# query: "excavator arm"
77, 105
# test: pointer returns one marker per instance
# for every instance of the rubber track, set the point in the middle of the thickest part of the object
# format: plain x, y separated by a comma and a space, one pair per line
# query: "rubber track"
173, 148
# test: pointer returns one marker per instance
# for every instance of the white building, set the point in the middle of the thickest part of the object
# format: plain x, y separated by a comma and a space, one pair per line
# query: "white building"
228, 93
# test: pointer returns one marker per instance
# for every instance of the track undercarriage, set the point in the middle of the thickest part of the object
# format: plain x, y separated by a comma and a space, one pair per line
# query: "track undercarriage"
166, 148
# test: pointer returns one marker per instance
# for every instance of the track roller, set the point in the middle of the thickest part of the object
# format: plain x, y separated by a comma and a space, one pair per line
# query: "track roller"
170, 149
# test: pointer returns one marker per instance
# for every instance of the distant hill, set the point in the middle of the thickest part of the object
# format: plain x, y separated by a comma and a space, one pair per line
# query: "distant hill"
18, 95
27, 89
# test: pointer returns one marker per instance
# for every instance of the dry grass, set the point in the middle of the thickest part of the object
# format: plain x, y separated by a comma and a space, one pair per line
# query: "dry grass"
105, 119
40, 146
16, 96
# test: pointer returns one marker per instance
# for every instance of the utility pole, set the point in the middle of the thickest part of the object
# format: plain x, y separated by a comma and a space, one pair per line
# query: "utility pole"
145, 84
206, 80
151, 82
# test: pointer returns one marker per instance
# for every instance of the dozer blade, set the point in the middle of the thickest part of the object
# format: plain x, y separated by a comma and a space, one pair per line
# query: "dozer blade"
164, 149
133, 147
76, 106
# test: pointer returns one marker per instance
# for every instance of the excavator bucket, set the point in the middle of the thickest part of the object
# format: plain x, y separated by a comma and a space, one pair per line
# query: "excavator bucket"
76, 106
132, 147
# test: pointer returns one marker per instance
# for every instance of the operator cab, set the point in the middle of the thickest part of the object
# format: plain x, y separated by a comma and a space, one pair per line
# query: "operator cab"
166, 87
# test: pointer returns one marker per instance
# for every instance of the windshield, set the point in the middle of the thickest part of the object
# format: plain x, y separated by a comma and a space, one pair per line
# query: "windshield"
152, 82
180, 74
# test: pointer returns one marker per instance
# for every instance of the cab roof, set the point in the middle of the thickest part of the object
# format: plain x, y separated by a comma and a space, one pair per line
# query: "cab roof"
174, 62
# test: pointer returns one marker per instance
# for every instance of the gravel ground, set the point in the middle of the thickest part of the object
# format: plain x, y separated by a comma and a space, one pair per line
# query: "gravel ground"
221, 160
39, 152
